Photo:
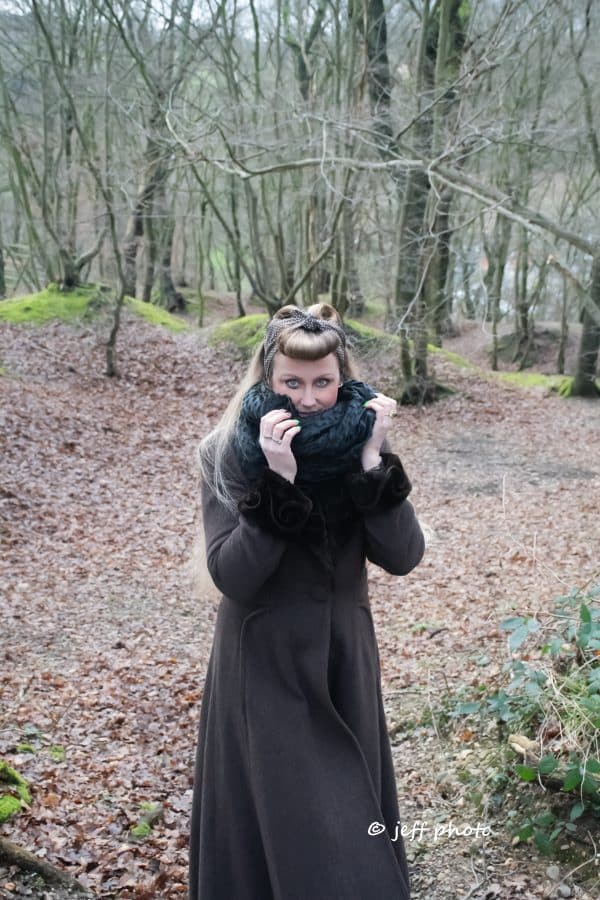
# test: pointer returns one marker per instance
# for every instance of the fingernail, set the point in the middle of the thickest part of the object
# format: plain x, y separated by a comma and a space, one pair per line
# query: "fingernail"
297, 421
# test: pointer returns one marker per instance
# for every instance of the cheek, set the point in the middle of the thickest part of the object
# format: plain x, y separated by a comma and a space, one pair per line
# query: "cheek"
330, 395
282, 388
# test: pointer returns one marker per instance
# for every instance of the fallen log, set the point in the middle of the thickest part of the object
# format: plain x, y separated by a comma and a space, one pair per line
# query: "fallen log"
13, 855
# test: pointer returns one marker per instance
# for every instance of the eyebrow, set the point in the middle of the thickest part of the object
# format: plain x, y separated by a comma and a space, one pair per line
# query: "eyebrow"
293, 375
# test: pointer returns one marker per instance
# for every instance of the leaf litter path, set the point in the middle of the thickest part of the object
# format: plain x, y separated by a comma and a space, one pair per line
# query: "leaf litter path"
107, 631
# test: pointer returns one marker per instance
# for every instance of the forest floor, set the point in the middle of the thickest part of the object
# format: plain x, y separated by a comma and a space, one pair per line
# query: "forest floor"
107, 623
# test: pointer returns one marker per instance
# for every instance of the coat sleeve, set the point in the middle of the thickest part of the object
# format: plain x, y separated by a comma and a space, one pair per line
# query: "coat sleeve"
394, 538
244, 550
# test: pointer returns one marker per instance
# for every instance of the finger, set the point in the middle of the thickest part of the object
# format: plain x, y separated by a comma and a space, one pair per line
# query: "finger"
383, 405
376, 406
281, 428
271, 419
291, 433
275, 415
376, 401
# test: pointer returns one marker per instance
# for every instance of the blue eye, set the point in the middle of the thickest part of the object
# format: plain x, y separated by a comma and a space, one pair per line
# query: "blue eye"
292, 383
324, 382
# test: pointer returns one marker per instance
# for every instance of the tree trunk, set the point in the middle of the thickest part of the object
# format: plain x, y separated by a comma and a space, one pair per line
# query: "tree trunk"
584, 383
155, 176
170, 297
447, 56
346, 294
437, 274
321, 277
521, 273
408, 298
2, 269
150, 248
237, 269
468, 303
111, 344
564, 330
135, 230
497, 254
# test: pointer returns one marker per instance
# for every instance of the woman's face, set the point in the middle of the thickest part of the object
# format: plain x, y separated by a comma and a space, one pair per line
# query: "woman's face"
311, 384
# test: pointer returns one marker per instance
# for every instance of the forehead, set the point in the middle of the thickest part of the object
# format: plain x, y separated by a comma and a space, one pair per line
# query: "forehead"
305, 368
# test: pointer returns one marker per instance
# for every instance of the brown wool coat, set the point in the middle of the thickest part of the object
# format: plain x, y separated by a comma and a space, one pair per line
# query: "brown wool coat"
293, 760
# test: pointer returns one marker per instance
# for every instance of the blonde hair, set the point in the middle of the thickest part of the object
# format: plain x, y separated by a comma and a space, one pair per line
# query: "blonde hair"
293, 342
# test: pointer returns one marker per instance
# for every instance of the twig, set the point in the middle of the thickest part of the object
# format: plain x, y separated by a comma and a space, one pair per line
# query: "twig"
472, 890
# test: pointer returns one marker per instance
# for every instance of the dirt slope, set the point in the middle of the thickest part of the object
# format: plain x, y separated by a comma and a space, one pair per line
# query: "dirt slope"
106, 632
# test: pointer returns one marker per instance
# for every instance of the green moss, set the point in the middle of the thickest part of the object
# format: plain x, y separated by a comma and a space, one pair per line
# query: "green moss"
247, 332
559, 383
454, 358
87, 300
374, 307
9, 805
565, 388
368, 339
244, 333
142, 830
25, 748
156, 315
152, 811
424, 626
149, 806
50, 303
532, 379
57, 752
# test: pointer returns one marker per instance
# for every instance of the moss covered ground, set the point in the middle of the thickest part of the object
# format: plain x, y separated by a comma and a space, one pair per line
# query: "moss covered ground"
80, 303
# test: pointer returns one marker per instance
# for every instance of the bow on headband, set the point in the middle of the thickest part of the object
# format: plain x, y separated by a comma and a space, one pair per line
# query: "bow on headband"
295, 320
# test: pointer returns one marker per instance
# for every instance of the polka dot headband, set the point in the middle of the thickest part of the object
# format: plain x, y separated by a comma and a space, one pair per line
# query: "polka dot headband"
295, 320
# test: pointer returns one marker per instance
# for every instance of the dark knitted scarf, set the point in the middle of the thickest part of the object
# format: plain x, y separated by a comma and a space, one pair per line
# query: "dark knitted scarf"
329, 443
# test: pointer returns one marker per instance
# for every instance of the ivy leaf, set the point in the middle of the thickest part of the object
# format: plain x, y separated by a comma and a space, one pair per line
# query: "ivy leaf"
547, 764
543, 843
525, 773
576, 810
572, 779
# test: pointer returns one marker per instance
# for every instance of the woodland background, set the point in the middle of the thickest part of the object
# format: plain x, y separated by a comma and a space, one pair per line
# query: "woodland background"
411, 153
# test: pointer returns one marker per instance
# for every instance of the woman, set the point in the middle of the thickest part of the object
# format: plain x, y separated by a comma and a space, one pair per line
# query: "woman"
294, 789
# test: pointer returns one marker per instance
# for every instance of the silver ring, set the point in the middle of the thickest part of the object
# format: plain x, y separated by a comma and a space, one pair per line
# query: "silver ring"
277, 440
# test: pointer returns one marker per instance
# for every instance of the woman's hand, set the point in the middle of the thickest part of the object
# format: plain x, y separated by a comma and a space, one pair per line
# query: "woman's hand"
385, 410
277, 429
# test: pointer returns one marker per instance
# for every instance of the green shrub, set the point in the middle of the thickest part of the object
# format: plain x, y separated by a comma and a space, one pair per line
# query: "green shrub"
550, 701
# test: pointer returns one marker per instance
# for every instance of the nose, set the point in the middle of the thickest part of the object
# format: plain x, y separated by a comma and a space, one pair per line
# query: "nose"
308, 401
